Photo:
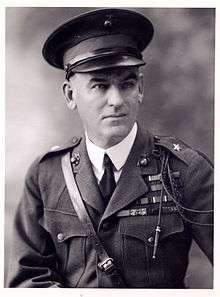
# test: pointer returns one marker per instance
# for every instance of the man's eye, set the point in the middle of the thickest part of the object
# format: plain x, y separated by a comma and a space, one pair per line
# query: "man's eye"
101, 87
128, 84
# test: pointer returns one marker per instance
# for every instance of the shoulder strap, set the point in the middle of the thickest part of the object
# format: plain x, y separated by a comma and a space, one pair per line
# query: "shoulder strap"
106, 263
177, 147
73, 142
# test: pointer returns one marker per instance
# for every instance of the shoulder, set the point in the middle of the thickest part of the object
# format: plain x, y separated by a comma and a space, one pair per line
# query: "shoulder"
50, 158
60, 149
182, 151
195, 169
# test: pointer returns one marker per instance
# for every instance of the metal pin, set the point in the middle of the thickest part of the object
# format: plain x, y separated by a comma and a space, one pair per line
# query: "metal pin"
156, 240
75, 159
177, 147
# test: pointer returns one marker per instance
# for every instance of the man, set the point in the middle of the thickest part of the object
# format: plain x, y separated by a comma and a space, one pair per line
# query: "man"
117, 207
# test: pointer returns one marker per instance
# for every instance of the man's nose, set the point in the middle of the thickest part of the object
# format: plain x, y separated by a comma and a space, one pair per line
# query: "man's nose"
114, 96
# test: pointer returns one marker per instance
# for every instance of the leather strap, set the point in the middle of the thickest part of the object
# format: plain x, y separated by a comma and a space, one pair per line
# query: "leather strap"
106, 264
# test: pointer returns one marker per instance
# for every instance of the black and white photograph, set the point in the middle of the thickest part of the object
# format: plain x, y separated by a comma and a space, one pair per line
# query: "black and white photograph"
109, 179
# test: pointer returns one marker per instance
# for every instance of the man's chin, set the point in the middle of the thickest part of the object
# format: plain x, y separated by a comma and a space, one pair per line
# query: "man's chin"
117, 133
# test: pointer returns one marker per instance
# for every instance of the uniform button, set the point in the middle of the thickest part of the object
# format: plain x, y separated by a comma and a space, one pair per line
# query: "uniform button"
150, 239
157, 138
74, 140
60, 236
144, 162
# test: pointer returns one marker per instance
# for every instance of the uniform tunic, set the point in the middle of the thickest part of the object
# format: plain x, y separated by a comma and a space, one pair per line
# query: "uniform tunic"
50, 245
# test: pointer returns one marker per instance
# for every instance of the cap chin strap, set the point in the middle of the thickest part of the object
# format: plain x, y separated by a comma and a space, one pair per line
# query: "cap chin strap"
105, 58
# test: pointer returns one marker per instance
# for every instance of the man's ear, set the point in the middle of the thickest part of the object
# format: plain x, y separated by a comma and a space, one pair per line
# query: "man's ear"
69, 94
140, 87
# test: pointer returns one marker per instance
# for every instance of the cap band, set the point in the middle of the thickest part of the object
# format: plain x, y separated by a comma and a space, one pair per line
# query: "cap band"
101, 54
98, 44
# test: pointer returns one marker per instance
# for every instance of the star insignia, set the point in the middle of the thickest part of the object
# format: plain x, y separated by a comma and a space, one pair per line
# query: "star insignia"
176, 147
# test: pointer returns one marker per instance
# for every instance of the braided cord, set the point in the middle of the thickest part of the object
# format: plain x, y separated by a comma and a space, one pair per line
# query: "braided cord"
178, 205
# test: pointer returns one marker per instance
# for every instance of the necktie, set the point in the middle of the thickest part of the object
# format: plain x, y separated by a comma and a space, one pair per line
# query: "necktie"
107, 184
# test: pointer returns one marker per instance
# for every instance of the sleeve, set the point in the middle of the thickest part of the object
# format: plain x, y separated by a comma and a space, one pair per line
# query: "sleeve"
199, 197
33, 260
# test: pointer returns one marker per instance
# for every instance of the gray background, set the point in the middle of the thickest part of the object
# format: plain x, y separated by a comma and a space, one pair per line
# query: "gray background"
179, 95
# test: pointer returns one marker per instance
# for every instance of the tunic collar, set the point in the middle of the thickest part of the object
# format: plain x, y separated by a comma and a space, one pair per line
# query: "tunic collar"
118, 153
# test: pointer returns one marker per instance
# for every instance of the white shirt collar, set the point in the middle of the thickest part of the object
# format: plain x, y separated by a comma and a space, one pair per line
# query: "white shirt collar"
118, 153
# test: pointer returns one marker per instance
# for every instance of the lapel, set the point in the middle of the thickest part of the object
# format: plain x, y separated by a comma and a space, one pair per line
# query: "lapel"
131, 184
86, 180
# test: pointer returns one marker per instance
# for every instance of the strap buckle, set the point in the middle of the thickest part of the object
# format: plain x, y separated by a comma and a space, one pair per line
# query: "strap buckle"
106, 265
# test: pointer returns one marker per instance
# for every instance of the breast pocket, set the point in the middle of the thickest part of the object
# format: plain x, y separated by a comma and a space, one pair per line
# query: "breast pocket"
137, 241
69, 237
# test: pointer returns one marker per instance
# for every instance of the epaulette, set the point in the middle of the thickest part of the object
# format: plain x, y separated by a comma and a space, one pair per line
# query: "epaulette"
177, 147
60, 148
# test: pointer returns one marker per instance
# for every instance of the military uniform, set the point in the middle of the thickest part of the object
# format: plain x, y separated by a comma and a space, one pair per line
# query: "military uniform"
52, 247
163, 198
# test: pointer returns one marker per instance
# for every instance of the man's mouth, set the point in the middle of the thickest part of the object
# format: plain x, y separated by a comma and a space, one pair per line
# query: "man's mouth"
114, 116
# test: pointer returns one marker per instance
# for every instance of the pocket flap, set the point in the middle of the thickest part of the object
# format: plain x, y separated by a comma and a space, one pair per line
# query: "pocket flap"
144, 227
62, 225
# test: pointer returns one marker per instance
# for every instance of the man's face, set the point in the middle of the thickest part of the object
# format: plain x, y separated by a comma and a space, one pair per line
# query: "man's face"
107, 102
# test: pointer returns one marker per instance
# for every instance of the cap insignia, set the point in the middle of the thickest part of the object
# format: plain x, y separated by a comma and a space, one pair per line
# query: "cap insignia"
107, 24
